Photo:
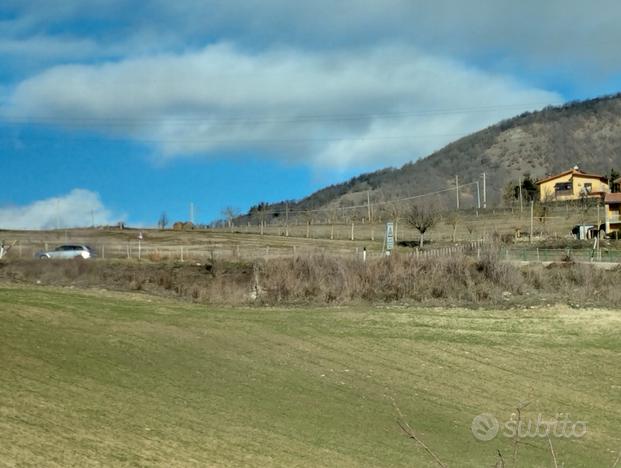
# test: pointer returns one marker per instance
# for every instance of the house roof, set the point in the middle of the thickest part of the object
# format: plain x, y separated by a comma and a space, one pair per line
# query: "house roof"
612, 198
575, 172
617, 181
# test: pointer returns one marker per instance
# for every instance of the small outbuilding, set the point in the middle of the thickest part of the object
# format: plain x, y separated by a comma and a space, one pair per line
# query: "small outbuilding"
612, 211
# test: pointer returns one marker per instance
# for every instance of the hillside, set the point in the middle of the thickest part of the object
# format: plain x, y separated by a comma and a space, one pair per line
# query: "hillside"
586, 133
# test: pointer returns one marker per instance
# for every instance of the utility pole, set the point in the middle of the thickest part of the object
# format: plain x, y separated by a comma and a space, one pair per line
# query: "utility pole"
478, 197
457, 190
192, 213
484, 193
286, 219
521, 204
370, 215
57, 216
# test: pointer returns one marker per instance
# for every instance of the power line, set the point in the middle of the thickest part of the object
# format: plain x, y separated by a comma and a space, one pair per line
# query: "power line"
216, 141
47, 119
356, 207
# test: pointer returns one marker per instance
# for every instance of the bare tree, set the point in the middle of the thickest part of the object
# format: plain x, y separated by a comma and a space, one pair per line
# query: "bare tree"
163, 221
229, 214
308, 217
452, 219
262, 215
470, 228
422, 218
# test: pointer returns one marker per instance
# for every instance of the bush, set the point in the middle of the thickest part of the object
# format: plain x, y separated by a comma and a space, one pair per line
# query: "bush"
324, 279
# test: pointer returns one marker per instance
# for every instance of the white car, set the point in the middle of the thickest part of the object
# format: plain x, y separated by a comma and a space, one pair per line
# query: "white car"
67, 251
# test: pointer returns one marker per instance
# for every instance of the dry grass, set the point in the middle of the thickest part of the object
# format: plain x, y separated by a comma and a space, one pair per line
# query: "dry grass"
326, 279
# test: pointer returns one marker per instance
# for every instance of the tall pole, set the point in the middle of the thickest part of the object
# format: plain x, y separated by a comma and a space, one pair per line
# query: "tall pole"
457, 190
286, 219
57, 216
369, 207
531, 220
484, 193
478, 196
192, 213
521, 204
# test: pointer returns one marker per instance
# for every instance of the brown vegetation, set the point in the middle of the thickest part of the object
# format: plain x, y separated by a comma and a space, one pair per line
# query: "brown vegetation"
324, 279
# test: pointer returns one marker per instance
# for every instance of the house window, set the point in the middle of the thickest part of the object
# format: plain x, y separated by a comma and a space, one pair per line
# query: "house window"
588, 187
563, 187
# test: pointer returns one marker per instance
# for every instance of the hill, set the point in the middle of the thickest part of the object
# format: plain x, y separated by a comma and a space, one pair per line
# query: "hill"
585, 133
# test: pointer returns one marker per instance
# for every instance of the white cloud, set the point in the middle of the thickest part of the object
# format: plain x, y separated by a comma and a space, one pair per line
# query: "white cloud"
75, 209
343, 108
530, 31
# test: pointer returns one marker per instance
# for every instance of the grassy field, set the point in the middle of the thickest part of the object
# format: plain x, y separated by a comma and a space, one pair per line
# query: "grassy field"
100, 378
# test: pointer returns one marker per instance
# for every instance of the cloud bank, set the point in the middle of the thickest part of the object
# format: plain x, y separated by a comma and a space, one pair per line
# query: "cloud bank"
76, 209
342, 108
550, 32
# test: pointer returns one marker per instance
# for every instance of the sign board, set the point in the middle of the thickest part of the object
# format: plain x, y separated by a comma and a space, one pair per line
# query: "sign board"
390, 236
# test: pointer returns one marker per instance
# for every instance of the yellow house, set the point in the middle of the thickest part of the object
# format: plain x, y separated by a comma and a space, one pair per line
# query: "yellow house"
572, 185
612, 203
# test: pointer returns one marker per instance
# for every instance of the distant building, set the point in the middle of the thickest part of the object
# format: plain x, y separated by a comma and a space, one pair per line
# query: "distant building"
573, 184
612, 212
183, 226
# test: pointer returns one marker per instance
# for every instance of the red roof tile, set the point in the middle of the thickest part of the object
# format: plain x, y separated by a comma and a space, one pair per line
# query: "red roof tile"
612, 198
574, 172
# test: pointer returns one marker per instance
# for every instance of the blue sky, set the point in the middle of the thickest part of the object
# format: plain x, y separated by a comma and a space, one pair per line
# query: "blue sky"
119, 113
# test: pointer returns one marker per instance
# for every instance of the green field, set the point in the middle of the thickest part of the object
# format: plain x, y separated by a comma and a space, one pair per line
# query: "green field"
100, 379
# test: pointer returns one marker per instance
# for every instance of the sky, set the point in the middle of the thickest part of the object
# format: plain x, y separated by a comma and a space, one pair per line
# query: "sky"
110, 111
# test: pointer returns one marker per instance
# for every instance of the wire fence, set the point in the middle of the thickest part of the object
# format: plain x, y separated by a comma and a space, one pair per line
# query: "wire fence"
556, 255
238, 252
